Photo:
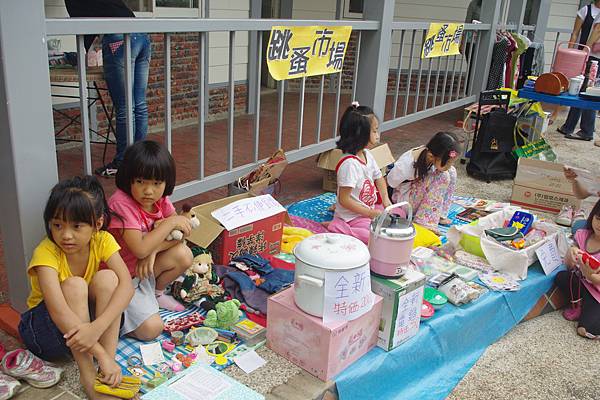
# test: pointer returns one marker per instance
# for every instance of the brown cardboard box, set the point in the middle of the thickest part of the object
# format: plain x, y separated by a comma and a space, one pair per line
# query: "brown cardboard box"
261, 237
328, 162
541, 185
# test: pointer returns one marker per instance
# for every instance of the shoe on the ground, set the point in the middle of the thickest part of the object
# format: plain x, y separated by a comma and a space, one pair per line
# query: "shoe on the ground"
108, 171
562, 130
23, 364
572, 313
579, 215
9, 386
578, 136
565, 216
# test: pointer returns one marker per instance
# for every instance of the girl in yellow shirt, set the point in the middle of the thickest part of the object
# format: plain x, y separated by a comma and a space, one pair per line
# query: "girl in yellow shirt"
74, 306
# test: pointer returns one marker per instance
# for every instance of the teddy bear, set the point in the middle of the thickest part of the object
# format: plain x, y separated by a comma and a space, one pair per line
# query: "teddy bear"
186, 211
225, 314
199, 280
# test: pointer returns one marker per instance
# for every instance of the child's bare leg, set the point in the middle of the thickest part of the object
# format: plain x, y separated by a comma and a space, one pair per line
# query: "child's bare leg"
102, 288
75, 290
170, 264
150, 329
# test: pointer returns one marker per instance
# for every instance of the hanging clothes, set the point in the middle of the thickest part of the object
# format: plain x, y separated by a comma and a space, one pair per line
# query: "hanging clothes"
499, 54
522, 45
509, 54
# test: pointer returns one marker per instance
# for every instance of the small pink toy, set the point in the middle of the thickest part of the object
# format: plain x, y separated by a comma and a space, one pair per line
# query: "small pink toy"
168, 345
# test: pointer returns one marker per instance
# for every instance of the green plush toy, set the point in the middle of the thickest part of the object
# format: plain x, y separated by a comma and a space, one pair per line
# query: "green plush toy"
227, 313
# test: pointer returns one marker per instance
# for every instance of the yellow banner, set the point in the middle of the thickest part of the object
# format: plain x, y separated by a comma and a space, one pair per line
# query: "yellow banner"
442, 40
297, 51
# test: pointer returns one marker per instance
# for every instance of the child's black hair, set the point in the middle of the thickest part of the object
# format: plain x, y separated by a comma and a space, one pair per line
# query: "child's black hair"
80, 199
595, 211
440, 145
355, 129
146, 159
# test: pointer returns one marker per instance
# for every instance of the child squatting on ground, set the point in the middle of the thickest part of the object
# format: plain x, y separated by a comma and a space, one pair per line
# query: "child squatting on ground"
144, 180
359, 180
425, 177
580, 283
73, 306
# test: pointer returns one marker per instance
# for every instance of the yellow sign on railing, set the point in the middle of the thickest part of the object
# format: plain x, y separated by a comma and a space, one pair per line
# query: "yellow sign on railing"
297, 51
442, 40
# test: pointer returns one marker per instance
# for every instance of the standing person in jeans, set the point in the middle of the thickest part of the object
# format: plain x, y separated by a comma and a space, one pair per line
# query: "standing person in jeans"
113, 56
582, 29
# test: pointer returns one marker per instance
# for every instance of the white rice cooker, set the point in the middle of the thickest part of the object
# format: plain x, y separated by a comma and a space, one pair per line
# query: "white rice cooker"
320, 253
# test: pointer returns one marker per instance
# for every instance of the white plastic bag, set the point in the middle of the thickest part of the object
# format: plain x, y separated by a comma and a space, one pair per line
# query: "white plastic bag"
501, 258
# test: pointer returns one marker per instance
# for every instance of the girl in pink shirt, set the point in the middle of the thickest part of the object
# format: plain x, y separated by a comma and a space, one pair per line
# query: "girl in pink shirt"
581, 283
359, 179
144, 180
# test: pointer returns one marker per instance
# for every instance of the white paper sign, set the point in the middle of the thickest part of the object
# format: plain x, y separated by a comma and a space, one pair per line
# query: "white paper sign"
588, 180
409, 315
249, 361
152, 353
246, 211
549, 256
347, 294
200, 384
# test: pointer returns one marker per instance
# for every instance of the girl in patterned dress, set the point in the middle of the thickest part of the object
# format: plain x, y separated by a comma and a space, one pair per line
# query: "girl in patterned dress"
425, 177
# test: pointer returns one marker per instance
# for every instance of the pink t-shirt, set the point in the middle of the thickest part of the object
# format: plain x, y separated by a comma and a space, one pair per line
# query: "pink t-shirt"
134, 217
581, 237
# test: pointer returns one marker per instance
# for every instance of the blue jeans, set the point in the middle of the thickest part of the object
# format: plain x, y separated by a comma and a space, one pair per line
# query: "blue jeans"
588, 121
114, 73
41, 335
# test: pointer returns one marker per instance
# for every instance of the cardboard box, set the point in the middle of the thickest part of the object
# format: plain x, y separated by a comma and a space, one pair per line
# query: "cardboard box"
261, 237
541, 185
321, 350
329, 160
401, 314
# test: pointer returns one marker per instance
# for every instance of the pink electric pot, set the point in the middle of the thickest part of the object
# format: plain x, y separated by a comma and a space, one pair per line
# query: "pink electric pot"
391, 241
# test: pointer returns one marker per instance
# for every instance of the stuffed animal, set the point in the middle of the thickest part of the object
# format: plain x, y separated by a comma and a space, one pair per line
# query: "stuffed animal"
225, 315
198, 281
194, 221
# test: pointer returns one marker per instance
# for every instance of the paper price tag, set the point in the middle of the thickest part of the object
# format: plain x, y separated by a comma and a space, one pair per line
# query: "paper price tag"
549, 256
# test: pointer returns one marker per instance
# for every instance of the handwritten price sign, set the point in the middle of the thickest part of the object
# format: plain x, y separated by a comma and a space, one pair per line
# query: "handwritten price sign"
347, 294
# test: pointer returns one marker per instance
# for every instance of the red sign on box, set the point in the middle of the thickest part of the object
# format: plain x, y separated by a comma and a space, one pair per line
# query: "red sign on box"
262, 237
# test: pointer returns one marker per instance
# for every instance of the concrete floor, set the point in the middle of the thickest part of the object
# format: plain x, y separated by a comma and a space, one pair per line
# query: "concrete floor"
539, 359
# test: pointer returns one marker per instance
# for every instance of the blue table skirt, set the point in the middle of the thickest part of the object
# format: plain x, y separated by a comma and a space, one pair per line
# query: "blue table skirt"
432, 363
564, 99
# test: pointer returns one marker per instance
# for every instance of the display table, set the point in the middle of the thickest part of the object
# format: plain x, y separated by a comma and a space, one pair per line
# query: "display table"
565, 99
432, 363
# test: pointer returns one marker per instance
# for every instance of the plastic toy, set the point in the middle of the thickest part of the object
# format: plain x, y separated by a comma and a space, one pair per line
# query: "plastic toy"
168, 345
590, 260
182, 323
224, 315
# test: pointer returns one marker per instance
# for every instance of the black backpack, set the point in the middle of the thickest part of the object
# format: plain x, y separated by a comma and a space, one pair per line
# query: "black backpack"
491, 154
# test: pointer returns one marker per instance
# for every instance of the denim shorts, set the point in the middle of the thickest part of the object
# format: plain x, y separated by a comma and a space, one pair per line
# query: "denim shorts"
40, 335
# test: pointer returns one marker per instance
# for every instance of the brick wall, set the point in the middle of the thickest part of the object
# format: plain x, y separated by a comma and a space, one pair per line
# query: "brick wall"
184, 89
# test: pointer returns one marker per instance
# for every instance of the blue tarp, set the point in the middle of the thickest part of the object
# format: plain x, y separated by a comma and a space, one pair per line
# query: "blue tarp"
432, 363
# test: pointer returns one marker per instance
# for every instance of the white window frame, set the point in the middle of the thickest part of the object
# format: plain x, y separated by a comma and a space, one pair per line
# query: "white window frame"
172, 12
346, 14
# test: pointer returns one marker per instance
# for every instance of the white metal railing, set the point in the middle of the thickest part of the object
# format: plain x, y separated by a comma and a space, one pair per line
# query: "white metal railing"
167, 27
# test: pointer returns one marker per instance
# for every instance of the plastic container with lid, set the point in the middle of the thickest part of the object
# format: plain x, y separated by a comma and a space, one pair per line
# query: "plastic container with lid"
434, 297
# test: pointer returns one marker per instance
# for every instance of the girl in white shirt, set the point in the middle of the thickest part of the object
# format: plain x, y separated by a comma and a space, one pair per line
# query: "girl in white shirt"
359, 180
426, 178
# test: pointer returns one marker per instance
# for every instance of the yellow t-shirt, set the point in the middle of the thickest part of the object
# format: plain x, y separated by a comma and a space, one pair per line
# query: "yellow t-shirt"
102, 246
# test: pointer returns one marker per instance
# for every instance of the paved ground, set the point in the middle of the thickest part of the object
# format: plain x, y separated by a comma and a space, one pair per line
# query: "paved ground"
539, 359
